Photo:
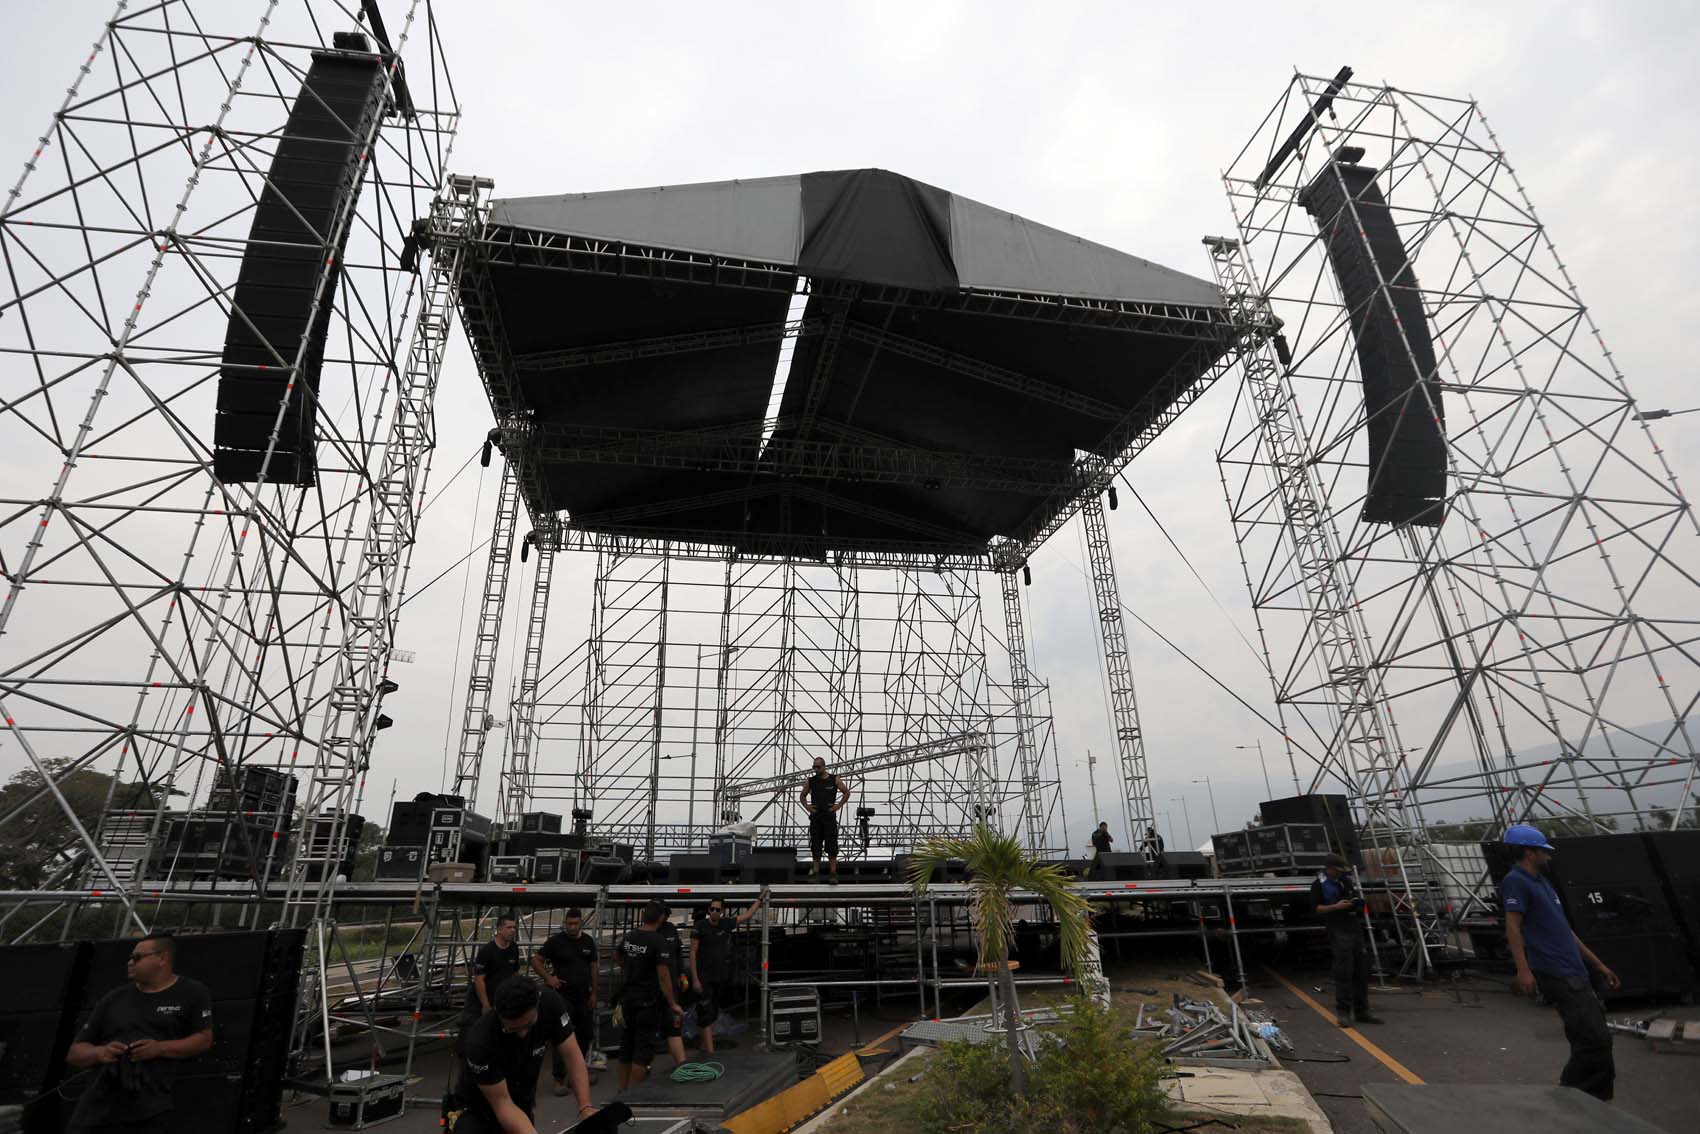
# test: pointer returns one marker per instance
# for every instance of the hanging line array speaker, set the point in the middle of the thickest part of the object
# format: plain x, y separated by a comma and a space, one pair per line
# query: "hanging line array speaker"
1407, 428
285, 290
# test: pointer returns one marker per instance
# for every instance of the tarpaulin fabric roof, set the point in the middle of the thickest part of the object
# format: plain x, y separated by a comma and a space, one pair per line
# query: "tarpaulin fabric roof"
953, 363
864, 224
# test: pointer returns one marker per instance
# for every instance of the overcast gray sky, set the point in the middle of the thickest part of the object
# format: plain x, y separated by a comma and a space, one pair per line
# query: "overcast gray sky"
1111, 121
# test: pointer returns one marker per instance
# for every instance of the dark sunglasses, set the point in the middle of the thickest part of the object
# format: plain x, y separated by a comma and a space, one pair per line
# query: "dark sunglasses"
134, 957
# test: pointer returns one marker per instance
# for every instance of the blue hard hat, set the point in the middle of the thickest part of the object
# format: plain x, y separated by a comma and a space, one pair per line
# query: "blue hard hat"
1523, 835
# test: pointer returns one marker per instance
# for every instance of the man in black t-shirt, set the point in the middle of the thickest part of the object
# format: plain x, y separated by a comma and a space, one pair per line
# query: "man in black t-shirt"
135, 1038
496, 960
823, 795
648, 992
571, 971
711, 963
502, 1053
1101, 840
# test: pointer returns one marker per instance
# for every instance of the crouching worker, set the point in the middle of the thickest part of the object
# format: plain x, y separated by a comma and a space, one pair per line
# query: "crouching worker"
502, 1055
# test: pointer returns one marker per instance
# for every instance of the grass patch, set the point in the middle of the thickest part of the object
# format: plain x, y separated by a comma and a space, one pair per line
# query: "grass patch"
885, 1105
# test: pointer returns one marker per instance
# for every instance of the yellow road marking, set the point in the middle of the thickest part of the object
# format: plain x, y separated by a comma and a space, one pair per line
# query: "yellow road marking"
867, 1048
1357, 1037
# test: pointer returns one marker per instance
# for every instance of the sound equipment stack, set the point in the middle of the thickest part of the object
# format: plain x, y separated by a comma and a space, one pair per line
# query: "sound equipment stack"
1617, 903
1120, 866
226, 845
1332, 811
251, 788
442, 824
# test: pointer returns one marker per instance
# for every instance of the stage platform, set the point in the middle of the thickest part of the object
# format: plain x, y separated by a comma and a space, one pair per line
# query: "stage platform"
790, 894
751, 1077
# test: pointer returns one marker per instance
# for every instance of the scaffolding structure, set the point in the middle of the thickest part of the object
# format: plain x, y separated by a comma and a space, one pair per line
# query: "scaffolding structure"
749, 669
1526, 653
161, 622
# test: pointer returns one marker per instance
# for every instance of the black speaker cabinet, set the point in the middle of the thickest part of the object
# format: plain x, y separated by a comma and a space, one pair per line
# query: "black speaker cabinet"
1407, 423
768, 868
1185, 864
1121, 866
599, 871
693, 869
1676, 856
1616, 900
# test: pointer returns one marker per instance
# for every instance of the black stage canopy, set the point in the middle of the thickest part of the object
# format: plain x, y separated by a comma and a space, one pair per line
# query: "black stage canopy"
959, 375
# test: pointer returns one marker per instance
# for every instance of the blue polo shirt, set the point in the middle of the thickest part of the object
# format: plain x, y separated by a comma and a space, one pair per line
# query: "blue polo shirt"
1548, 943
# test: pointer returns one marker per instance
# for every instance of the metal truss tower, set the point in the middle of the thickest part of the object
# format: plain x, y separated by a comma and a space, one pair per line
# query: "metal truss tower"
486, 640
518, 783
1118, 671
1035, 816
160, 622
1525, 651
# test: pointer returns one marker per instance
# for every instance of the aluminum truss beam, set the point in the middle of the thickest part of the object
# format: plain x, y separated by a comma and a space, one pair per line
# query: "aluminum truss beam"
961, 744
522, 719
476, 721
1034, 799
1118, 671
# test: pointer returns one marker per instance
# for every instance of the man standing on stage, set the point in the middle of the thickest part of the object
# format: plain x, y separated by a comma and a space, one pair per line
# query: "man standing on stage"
711, 964
135, 1038
648, 992
571, 971
502, 1053
496, 960
1334, 895
1549, 957
823, 796
1101, 841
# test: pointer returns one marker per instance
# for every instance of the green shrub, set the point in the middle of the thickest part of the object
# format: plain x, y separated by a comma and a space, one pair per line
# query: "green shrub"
967, 1090
1098, 1080
1101, 1078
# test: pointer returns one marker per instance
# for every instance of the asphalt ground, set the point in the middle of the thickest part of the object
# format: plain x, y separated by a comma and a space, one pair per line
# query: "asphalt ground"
1430, 1037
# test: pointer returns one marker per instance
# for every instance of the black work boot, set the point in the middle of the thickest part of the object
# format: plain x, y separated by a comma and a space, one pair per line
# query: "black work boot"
1366, 1017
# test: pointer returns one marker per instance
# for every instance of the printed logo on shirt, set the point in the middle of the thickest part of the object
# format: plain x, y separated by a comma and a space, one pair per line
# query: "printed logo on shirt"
538, 1050
477, 1068
168, 1009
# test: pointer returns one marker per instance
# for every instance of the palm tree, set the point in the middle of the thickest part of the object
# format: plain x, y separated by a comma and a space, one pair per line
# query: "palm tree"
998, 868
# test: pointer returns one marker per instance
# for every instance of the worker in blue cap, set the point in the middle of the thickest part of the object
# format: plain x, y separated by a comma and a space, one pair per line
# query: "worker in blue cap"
1550, 957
